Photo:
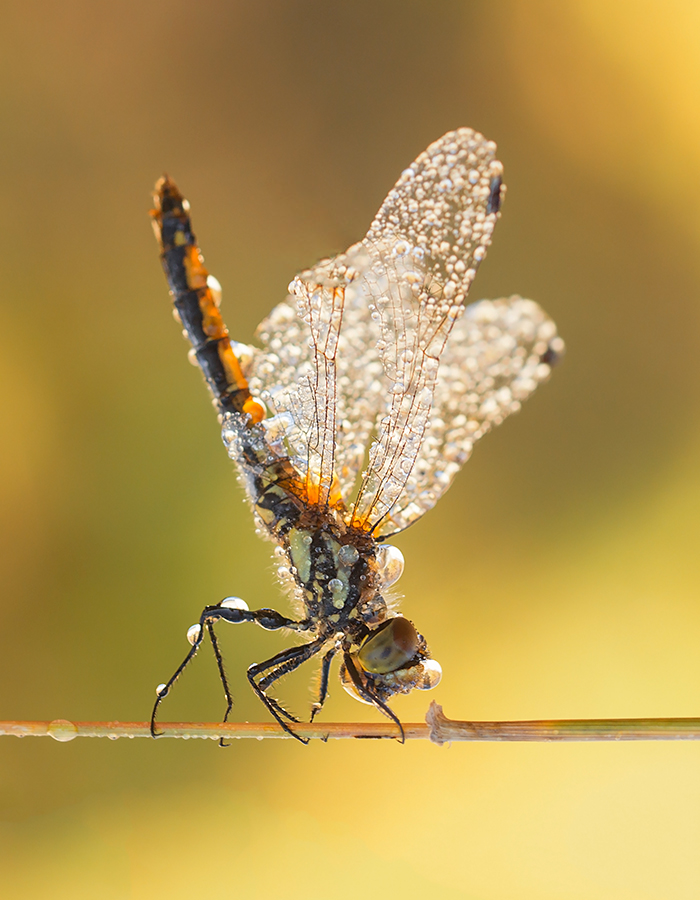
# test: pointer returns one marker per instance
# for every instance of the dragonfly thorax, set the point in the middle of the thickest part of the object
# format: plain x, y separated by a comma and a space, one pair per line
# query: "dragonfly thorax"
336, 573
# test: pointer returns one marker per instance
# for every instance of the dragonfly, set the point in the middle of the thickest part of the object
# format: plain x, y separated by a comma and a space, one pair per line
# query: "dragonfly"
372, 382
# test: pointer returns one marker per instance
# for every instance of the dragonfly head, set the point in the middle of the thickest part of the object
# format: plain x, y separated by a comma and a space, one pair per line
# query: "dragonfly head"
392, 659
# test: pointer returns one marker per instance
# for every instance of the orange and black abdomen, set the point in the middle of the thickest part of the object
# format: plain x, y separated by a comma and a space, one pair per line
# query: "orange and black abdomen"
196, 304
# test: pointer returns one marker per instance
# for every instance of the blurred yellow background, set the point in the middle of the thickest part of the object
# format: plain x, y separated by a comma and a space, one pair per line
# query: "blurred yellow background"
558, 578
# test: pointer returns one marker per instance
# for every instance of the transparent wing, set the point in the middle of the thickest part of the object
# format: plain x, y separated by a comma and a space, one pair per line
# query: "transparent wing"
496, 355
320, 373
422, 252
356, 349
301, 383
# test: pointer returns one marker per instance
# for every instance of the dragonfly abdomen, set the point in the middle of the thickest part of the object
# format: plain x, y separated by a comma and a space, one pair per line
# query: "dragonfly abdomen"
195, 298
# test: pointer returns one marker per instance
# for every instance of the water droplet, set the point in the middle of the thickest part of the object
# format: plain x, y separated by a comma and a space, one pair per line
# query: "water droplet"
348, 555
234, 603
62, 730
391, 564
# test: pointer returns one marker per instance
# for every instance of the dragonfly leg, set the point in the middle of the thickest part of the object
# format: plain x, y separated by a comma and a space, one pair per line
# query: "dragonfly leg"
323, 684
269, 619
222, 674
365, 690
276, 667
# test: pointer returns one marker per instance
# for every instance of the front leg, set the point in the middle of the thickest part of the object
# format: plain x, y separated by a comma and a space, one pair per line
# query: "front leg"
275, 668
364, 689
323, 683
233, 610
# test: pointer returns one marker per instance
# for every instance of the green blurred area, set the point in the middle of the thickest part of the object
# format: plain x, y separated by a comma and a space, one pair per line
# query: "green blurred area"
559, 576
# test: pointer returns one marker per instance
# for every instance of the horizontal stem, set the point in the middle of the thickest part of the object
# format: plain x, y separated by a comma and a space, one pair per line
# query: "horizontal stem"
443, 729
439, 729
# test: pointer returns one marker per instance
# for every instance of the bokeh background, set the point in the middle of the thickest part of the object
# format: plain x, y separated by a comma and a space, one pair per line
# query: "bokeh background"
558, 578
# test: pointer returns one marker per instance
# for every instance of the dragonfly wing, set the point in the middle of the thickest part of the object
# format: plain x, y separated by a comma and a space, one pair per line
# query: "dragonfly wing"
496, 355
320, 374
424, 248
360, 347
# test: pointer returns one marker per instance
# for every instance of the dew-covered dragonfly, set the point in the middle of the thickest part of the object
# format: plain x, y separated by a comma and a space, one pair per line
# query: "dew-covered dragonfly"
372, 383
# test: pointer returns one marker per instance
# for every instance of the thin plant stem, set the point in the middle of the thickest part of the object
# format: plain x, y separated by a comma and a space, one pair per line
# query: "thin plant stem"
437, 728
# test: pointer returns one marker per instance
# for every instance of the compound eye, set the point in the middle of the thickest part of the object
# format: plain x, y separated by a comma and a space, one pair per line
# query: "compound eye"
390, 648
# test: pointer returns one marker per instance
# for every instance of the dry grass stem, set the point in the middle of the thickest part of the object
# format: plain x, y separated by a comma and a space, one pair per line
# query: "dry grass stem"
437, 728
